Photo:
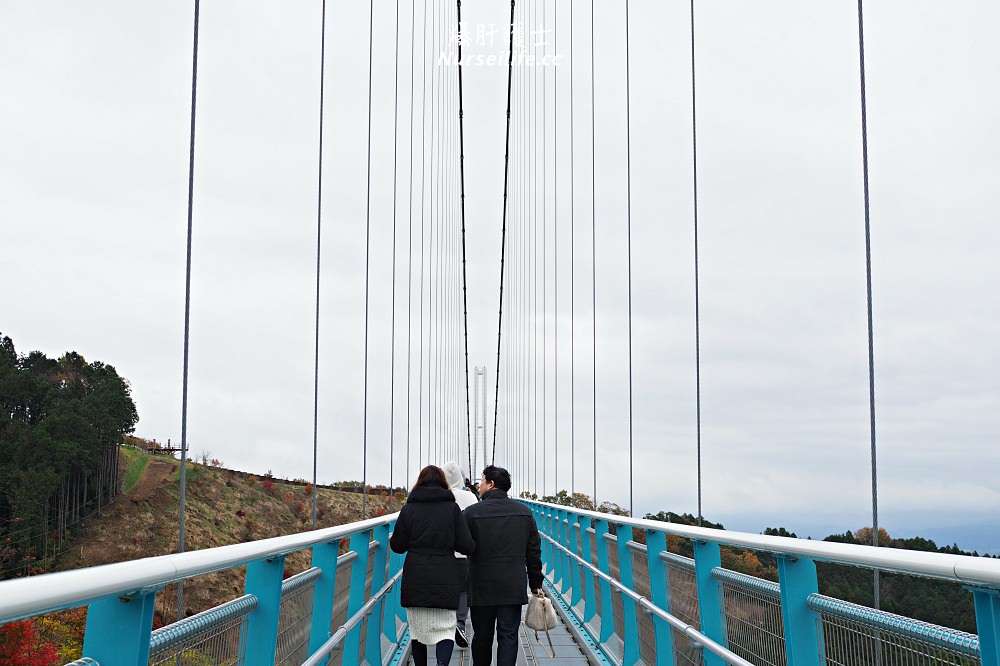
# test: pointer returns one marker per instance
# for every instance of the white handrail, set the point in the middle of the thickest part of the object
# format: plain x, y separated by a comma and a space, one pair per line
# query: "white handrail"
979, 571
34, 595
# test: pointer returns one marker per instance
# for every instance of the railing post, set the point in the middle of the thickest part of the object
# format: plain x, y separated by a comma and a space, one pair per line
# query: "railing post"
391, 612
631, 627
797, 578
602, 527
360, 542
706, 558
590, 583
987, 624
547, 549
574, 567
560, 557
659, 593
118, 629
373, 635
264, 582
324, 557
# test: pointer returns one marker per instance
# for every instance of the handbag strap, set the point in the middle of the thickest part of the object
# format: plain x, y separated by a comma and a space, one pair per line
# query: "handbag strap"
551, 652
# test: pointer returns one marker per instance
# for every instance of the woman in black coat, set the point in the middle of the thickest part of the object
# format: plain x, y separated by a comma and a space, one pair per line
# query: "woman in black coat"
430, 528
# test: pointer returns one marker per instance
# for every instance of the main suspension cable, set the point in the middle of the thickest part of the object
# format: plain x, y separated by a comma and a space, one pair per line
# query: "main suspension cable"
465, 298
503, 232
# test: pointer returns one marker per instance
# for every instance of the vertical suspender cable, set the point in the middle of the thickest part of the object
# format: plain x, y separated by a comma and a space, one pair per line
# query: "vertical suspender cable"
392, 335
503, 232
628, 176
697, 302
545, 231
465, 298
368, 218
868, 274
431, 211
409, 270
187, 307
572, 267
423, 194
319, 235
536, 187
431, 255
555, 246
593, 239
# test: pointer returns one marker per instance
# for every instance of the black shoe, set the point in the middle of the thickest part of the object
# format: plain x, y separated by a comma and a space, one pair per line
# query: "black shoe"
461, 640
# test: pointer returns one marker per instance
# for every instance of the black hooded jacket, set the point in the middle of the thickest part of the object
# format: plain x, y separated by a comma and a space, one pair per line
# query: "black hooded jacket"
508, 551
429, 530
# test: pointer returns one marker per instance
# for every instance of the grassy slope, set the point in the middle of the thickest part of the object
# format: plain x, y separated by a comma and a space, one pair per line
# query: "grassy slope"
135, 463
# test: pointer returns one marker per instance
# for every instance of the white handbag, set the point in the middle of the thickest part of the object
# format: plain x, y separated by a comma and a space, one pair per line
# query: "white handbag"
541, 616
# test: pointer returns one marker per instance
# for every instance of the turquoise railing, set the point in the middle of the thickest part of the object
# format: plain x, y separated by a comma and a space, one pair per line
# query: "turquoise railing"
312, 617
627, 602
638, 603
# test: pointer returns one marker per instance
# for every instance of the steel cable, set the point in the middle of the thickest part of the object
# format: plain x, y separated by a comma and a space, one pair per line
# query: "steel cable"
319, 236
628, 176
503, 232
368, 217
697, 301
187, 305
868, 281
392, 335
593, 240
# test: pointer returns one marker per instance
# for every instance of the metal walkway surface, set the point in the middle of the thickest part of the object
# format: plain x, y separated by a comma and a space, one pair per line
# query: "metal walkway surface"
567, 652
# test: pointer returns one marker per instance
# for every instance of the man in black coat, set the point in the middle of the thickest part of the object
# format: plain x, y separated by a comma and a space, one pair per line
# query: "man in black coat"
507, 560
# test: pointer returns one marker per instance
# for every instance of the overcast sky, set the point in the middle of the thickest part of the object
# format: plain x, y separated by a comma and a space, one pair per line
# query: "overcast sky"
93, 192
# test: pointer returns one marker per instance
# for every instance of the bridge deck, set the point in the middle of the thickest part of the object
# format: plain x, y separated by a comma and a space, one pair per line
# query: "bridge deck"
567, 653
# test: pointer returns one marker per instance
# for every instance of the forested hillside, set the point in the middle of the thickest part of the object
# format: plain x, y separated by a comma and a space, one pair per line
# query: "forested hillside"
61, 423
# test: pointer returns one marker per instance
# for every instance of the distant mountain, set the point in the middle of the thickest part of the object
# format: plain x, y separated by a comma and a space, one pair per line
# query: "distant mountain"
983, 538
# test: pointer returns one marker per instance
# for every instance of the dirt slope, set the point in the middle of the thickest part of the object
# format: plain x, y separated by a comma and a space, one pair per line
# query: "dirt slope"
223, 507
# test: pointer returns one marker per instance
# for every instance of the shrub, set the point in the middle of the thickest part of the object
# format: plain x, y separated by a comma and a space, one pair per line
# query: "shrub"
20, 645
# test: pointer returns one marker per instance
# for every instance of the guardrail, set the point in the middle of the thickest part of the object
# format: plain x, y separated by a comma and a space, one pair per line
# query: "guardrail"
276, 621
642, 604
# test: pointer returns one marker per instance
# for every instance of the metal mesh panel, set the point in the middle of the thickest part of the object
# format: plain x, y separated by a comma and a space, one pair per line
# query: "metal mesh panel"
615, 644
295, 619
214, 637
572, 576
640, 578
368, 592
341, 595
595, 625
684, 605
855, 635
754, 627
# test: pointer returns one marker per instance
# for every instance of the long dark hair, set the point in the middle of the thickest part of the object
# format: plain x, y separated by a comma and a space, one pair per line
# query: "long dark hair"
432, 476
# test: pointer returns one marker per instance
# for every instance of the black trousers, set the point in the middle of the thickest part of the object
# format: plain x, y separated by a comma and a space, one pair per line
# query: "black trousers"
504, 621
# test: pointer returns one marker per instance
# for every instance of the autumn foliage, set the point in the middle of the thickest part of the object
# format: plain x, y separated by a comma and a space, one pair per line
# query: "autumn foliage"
20, 645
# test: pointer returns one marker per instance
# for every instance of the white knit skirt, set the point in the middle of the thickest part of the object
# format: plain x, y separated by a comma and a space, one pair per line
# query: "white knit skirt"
431, 625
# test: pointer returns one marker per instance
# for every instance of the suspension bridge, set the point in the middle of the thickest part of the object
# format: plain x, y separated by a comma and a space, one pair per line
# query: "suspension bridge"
624, 592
